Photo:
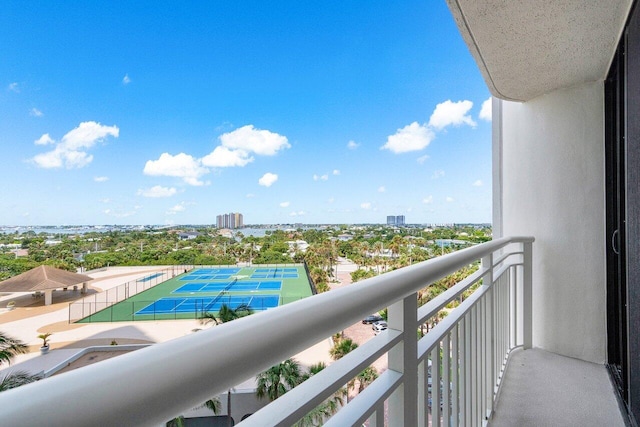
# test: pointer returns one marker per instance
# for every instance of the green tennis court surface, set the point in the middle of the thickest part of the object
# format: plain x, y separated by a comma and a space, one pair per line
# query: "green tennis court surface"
203, 290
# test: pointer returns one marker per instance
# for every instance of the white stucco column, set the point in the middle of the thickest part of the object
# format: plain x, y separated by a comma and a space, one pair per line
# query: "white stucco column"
48, 296
553, 188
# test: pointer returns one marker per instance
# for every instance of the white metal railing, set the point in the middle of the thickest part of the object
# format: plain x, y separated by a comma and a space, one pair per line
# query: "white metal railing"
450, 376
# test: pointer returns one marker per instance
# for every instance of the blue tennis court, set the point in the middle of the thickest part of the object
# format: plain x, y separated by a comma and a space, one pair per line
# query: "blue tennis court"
264, 285
213, 304
275, 273
274, 276
211, 274
275, 270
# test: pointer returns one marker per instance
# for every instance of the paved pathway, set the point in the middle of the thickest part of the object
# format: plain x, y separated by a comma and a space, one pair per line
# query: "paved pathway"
358, 332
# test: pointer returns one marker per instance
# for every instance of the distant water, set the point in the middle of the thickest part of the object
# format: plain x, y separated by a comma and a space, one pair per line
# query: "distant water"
57, 230
256, 232
253, 231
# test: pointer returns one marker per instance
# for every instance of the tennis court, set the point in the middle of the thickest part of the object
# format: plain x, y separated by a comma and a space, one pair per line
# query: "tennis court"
204, 289
275, 273
209, 304
211, 273
233, 286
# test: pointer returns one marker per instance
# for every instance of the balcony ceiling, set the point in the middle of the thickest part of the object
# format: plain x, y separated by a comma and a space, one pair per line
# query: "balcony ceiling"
528, 48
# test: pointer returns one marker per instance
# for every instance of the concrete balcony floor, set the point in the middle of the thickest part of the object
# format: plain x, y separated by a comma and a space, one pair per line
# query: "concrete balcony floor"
545, 389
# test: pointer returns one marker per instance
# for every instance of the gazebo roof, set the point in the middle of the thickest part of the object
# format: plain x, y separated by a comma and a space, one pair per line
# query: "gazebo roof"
42, 278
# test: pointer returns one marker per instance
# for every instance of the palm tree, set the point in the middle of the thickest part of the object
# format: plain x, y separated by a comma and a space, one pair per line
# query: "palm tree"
379, 249
314, 369
9, 348
211, 404
279, 379
226, 314
16, 379
366, 377
329, 407
342, 348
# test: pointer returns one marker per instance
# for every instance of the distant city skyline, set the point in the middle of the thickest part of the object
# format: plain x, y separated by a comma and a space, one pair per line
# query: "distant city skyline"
147, 113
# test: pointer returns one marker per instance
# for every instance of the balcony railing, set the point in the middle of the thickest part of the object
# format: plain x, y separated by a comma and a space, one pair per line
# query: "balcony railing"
450, 376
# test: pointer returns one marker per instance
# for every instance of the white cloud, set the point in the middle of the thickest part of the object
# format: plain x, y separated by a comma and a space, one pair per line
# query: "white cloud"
477, 183
451, 113
422, 159
298, 213
449, 199
59, 158
175, 209
365, 205
284, 204
352, 145
126, 80
44, 140
223, 157
106, 200
324, 177
485, 111
331, 200
87, 134
250, 196
181, 166
71, 151
157, 191
35, 112
252, 140
381, 189
413, 137
268, 179
101, 178
428, 200
437, 174
13, 87
238, 145
336, 172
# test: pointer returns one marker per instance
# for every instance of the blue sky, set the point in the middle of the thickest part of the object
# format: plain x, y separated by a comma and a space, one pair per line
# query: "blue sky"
288, 112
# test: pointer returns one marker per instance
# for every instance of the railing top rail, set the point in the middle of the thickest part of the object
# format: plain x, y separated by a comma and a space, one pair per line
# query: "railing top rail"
135, 388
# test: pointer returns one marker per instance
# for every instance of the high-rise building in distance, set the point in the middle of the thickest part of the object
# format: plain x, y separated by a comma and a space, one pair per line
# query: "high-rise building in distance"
395, 219
230, 220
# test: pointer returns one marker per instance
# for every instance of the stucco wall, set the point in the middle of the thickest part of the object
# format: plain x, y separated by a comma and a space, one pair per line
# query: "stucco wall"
552, 153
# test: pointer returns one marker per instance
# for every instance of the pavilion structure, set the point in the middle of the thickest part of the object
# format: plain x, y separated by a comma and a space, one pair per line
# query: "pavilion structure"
44, 279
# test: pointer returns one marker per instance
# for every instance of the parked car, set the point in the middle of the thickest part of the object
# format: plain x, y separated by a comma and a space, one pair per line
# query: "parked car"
372, 319
379, 326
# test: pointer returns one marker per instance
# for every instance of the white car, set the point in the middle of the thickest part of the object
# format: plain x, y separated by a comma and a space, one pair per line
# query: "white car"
379, 326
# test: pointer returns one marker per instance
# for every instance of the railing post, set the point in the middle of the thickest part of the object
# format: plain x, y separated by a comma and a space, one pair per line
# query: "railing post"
489, 324
527, 295
403, 404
